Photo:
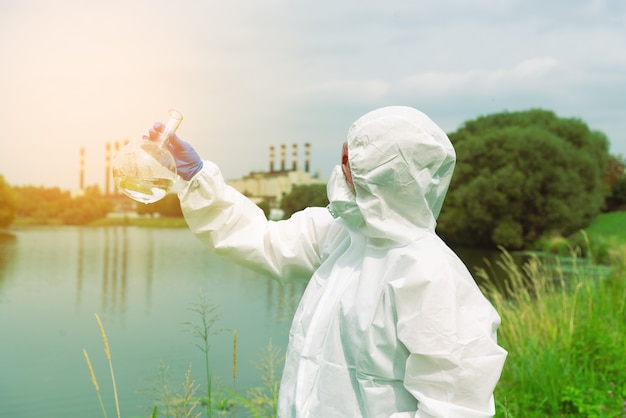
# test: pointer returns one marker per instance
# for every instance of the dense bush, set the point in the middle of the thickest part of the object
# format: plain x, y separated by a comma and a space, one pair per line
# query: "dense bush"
617, 197
86, 208
520, 175
53, 205
7, 204
302, 197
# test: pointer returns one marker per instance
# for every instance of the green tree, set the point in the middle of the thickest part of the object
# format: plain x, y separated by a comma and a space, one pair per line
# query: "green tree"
523, 174
41, 203
88, 207
615, 178
265, 207
615, 170
617, 199
303, 196
7, 204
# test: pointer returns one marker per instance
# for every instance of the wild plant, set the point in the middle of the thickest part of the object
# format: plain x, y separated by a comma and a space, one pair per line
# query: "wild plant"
565, 330
262, 402
208, 316
183, 402
177, 403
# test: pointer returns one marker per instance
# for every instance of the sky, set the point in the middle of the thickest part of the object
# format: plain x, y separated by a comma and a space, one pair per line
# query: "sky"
250, 74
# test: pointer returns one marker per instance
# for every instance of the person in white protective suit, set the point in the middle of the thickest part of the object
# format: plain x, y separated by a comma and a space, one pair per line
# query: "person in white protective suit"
391, 323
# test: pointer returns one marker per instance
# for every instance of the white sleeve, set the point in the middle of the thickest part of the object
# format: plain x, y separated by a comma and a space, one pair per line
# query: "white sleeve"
233, 226
449, 329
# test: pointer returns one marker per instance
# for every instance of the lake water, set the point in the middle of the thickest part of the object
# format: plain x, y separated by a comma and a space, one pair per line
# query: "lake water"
143, 283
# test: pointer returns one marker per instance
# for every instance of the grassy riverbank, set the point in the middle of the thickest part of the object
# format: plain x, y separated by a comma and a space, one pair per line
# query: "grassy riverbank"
156, 222
160, 222
565, 331
611, 226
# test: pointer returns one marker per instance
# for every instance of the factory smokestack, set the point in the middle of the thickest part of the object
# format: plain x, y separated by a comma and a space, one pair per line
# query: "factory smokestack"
294, 157
272, 159
107, 169
282, 157
117, 150
307, 156
81, 179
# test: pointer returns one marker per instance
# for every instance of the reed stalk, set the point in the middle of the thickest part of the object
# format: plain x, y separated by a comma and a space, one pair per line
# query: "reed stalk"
234, 356
208, 318
263, 401
95, 383
107, 352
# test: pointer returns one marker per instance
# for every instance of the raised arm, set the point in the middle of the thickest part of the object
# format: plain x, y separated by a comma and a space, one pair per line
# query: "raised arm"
235, 227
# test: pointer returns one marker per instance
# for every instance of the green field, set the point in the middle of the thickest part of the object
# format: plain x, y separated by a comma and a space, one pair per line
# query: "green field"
609, 226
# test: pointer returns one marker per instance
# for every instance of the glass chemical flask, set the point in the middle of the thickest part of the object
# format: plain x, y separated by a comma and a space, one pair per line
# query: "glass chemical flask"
145, 170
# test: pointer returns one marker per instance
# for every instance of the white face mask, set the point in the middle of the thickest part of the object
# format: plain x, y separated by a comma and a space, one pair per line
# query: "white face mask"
342, 199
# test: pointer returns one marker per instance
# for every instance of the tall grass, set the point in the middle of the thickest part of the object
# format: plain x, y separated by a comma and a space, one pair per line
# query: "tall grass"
184, 401
208, 316
565, 331
262, 401
107, 352
175, 402
95, 383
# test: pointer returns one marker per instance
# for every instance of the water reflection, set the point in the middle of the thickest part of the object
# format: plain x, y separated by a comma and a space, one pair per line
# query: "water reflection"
80, 273
103, 253
7, 255
115, 269
120, 259
287, 299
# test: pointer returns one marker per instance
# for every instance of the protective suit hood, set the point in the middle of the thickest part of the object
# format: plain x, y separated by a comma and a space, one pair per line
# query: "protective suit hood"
401, 164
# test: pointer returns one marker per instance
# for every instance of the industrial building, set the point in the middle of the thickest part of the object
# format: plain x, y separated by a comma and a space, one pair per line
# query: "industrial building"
272, 185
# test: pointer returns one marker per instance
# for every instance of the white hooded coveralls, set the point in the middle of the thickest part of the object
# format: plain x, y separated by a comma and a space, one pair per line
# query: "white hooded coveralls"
391, 323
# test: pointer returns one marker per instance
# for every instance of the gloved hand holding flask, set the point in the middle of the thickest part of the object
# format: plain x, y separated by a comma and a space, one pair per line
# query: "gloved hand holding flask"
188, 162
146, 171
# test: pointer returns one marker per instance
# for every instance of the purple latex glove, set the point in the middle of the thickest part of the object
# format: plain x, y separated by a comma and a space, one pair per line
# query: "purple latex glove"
188, 162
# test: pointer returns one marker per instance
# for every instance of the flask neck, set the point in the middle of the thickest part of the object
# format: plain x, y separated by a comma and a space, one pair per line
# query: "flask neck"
171, 125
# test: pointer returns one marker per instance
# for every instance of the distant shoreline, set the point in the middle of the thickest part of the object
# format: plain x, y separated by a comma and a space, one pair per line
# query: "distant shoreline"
610, 225
151, 222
